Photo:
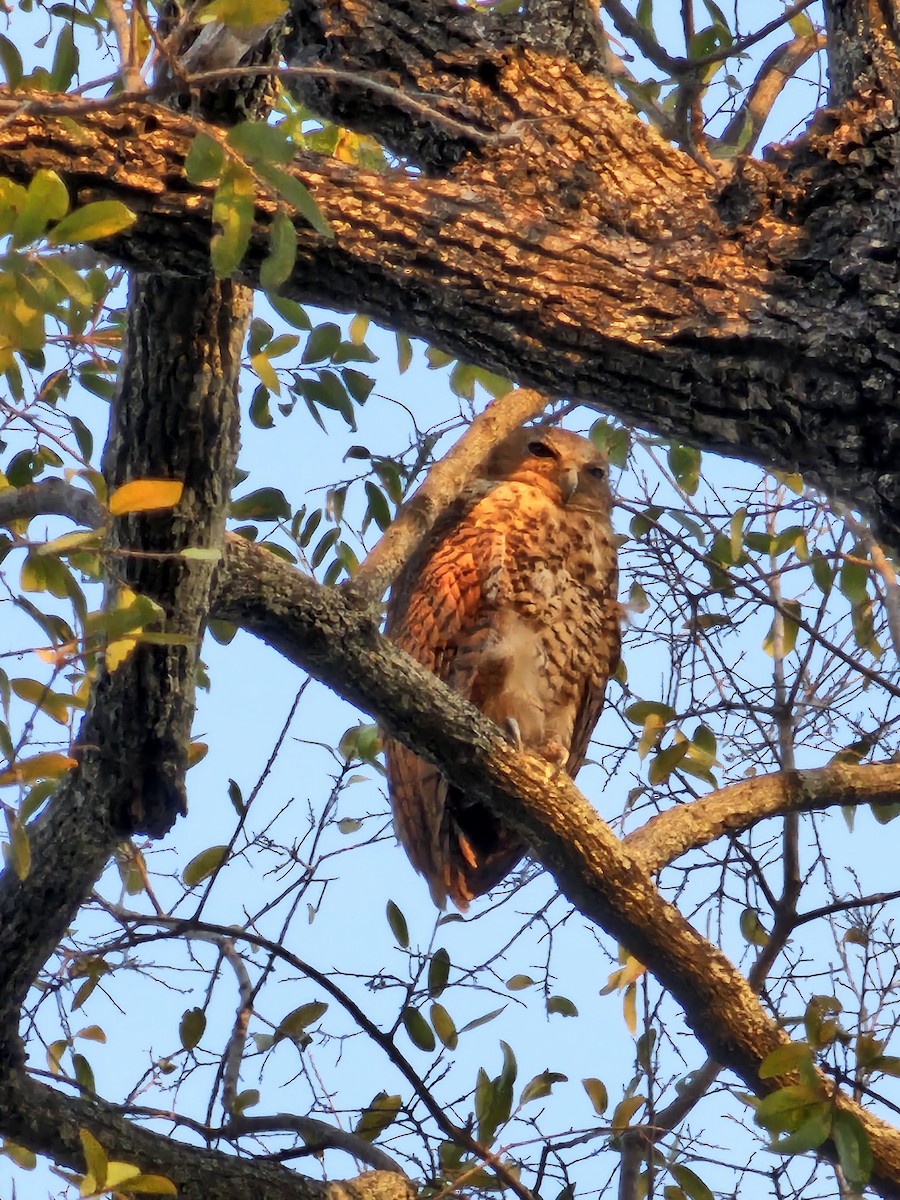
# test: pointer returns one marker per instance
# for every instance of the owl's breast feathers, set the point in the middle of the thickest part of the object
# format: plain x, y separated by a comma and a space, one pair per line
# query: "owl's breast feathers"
512, 602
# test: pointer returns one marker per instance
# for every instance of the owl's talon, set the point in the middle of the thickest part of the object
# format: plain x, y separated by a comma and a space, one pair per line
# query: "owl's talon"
557, 755
513, 732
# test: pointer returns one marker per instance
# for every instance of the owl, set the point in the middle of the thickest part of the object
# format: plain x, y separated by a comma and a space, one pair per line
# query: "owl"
511, 601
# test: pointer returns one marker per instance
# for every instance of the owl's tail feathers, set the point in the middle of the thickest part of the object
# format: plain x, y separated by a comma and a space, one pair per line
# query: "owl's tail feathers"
476, 850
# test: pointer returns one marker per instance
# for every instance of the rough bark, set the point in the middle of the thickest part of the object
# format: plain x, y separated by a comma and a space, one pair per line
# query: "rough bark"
551, 236
755, 314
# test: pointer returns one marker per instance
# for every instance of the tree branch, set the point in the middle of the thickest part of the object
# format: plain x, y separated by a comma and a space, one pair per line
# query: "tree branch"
735, 809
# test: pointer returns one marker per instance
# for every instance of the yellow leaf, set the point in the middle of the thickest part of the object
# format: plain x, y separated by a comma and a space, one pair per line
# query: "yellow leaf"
629, 1008
17, 853
156, 1185
145, 495
197, 751
238, 14
42, 766
94, 1158
120, 1173
118, 651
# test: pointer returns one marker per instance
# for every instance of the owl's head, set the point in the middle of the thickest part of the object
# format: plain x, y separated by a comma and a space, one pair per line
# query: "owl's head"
568, 468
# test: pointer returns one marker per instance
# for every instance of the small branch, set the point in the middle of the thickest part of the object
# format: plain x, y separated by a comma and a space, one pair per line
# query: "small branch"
445, 481
173, 927
52, 497
120, 19
317, 1135
48, 1121
776, 72
735, 809
885, 569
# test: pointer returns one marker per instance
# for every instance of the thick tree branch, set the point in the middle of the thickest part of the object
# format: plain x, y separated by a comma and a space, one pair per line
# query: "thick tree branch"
48, 1122
754, 319
735, 809
52, 497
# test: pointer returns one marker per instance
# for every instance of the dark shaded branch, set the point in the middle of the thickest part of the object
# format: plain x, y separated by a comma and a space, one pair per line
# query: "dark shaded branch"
52, 497
48, 1122
741, 318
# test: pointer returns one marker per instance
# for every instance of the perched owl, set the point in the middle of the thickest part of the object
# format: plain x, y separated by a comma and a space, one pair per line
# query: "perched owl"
511, 601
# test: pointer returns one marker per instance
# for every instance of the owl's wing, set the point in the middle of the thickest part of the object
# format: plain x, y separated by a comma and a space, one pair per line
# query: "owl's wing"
592, 697
437, 613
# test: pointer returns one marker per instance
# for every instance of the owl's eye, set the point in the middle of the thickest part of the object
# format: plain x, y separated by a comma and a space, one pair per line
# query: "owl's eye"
540, 450
597, 472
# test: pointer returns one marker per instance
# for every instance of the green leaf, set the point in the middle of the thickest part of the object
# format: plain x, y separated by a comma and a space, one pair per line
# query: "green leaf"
690, 1183
474, 1024
444, 1026
562, 1005
53, 704
597, 1094
853, 580
65, 61
322, 343
785, 1060
265, 504
239, 14
787, 621
684, 463
418, 1029
638, 712
102, 219
297, 194
17, 853
26, 1160
204, 864
380, 1113
296, 1022
664, 763
84, 1075
233, 212
95, 1157
205, 159
398, 925
540, 1086
438, 972
279, 262
11, 62
786, 1109
47, 200
256, 140
808, 1134
624, 1111
378, 506
404, 352
517, 983
192, 1027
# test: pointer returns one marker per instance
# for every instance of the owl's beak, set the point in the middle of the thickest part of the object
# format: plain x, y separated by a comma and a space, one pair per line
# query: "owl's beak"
568, 484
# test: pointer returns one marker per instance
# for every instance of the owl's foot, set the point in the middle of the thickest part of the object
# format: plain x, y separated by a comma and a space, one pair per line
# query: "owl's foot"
511, 728
556, 754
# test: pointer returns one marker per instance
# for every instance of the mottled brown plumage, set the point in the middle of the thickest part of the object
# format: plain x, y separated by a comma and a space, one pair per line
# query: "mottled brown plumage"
511, 600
